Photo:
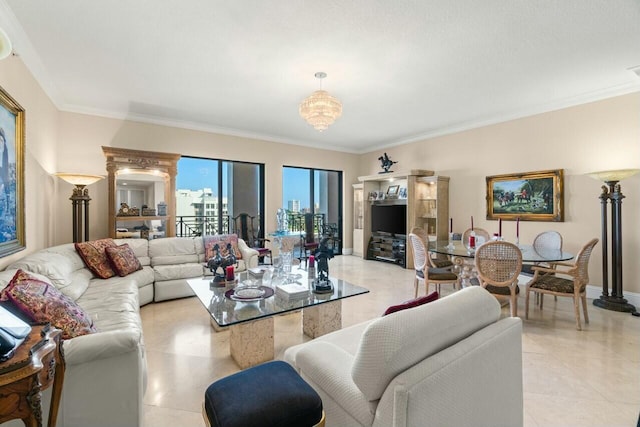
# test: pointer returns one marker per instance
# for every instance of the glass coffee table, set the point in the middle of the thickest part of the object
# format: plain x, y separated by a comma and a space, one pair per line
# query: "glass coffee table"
249, 315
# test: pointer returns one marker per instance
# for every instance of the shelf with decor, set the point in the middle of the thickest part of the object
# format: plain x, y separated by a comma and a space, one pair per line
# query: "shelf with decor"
140, 218
396, 202
358, 218
432, 206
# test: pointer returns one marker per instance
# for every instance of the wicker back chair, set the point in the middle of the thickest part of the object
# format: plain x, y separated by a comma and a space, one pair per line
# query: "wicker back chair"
575, 286
479, 232
545, 242
498, 264
424, 272
437, 261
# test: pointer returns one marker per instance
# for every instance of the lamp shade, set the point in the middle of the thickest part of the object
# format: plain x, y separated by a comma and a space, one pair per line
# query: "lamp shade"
79, 179
5, 45
614, 175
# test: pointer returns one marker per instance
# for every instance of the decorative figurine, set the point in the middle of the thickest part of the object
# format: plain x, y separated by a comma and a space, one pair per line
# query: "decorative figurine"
323, 254
386, 163
217, 262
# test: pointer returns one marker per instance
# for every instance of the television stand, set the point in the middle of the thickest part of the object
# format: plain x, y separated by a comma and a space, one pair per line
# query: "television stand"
387, 247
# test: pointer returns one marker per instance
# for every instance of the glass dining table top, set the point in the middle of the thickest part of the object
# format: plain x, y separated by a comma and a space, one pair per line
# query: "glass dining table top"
227, 311
529, 254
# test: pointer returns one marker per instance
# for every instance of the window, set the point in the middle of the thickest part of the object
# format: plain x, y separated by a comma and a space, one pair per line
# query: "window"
315, 191
209, 192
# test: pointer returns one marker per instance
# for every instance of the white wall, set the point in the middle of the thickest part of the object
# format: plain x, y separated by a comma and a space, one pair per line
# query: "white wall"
591, 137
41, 189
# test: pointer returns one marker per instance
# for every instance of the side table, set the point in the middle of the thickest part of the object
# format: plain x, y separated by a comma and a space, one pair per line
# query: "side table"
37, 364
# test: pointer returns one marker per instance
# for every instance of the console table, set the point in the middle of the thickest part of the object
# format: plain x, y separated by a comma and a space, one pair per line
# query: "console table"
37, 364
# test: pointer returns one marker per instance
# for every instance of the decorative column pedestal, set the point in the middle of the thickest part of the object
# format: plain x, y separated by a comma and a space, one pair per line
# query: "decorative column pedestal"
611, 192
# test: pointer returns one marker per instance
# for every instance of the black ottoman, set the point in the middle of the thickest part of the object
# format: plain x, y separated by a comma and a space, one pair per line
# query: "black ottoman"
267, 395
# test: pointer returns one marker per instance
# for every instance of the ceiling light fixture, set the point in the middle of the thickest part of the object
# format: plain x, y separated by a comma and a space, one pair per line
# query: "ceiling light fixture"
320, 109
5, 45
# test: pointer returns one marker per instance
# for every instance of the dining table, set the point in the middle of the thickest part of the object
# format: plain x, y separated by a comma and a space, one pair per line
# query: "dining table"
463, 257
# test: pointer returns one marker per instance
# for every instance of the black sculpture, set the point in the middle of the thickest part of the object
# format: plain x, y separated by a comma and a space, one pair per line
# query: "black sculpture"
217, 262
322, 255
386, 163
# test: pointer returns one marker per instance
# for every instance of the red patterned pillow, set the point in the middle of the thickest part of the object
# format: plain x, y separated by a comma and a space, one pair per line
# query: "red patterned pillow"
412, 303
95, 257
123, 260
42, 302
221, 240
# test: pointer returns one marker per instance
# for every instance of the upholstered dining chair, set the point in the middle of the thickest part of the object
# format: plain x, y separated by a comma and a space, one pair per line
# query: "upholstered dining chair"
498, 264
244, 227
574, 285
425, 273
437, 261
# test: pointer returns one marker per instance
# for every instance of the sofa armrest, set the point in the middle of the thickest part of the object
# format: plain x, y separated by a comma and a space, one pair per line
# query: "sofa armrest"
101, 345
250, 256
329, 367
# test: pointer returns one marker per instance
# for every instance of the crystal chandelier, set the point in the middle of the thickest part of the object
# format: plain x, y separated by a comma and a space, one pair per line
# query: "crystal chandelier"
320, 109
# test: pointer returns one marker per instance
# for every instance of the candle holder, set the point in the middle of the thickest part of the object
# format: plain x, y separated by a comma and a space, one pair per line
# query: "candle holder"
450, 247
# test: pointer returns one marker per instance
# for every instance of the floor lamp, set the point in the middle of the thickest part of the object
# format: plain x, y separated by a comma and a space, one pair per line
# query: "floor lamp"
612, 193
80, 202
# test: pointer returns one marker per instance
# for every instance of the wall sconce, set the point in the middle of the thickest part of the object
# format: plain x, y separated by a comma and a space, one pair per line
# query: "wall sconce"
80, 202
612, 192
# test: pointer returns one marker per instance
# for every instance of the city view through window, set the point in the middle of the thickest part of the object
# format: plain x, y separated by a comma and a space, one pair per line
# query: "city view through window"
209, 193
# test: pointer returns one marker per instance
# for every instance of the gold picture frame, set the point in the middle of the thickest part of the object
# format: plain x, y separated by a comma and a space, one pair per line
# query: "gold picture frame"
529, 196
12, 140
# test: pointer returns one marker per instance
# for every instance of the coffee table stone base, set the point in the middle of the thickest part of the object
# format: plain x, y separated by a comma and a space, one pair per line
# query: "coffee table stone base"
251, 343
321, 319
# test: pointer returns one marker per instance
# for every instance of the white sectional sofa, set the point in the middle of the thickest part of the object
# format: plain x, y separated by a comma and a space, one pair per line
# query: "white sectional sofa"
452, 362
105, 374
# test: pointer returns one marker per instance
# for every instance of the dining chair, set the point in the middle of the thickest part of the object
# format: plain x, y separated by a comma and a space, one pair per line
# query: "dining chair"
308, 242
437, 260
547, 241
498, 264
482, 236
425, 273
245, 227
574, 286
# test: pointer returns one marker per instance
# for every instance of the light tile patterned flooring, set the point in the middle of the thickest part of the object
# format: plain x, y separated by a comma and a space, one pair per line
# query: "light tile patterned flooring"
571, 378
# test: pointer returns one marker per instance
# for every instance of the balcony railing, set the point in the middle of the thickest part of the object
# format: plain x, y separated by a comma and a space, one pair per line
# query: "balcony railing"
193, 226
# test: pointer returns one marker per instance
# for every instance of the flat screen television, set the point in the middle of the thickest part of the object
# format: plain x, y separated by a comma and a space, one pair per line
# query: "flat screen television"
389, 218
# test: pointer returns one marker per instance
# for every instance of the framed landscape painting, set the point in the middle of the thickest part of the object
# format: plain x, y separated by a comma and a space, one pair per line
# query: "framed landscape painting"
530, 196
12, 234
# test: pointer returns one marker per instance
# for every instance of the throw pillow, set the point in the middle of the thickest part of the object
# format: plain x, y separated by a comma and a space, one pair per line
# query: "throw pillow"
412, 303
95, 257
123, 260
221, 240
42, 302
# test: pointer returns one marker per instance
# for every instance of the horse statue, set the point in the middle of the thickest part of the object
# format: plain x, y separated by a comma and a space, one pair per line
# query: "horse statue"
322, 255
386, 163
217, 262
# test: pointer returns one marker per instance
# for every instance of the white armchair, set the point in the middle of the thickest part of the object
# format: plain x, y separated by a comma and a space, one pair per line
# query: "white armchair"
452, 362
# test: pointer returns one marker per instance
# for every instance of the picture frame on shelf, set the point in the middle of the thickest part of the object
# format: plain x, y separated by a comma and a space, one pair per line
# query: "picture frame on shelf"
402, 193
392, 191
12, 146
530, 196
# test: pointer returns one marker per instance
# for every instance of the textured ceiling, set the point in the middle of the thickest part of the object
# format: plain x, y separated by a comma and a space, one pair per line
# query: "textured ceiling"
404, 70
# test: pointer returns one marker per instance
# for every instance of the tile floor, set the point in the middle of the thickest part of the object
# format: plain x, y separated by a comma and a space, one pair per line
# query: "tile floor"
571, 378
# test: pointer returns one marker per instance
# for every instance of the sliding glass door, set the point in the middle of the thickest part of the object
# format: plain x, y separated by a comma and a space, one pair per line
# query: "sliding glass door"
210, 192
318, 192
